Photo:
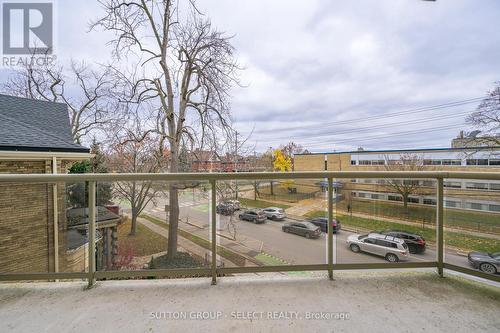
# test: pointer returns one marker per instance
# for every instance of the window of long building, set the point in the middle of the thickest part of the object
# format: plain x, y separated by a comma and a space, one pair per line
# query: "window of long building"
495, 162
476, 186
495, 187
452, 184
430, 201
477, 162
494, 208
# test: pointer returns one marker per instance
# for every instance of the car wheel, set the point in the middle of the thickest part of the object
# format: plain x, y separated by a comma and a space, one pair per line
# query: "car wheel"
286, 230
240, 217
354, 248
391, 257
487, 268
308, 235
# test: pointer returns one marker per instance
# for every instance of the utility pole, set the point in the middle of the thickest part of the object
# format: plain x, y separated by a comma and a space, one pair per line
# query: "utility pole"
236, 162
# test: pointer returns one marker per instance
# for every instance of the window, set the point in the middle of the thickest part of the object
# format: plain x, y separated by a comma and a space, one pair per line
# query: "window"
495, 187
394, 198
377, 196
473, 205
494, 208
378, 162
452, 184
430, 202
370, 241
383, 243
452, 162
433, 162
477, 186
362, 195
428, 183
477, 162
353, 162
495, 162
451, 204
413, 200
365, 162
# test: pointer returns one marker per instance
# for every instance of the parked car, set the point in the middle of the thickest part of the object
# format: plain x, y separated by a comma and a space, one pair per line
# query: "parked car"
225, 208
485, 262
393, 249
274, 213
305, 229
416, 243
235, 203
322, 223
253, 215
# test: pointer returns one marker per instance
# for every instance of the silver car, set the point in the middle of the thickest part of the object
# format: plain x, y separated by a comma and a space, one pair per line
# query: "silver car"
486, 262
274, 213
391, 248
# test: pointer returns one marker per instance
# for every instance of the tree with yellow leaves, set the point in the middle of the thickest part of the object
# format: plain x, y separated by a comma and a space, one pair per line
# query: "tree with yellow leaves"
282, 163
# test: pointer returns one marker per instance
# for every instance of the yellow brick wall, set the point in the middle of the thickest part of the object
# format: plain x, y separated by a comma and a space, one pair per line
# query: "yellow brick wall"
26, 220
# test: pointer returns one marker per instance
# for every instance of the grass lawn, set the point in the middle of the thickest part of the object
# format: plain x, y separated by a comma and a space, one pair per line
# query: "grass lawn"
145, 242
454, 239
228, 254
268, 260
477, 221
261, 203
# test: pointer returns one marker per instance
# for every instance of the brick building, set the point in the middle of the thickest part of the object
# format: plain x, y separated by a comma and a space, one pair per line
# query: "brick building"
35, 137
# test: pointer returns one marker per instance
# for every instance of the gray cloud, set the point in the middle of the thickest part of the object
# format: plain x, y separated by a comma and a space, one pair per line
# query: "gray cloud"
314, 62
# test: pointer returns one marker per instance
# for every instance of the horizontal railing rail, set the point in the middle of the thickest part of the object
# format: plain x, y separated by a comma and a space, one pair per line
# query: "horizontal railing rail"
212, 178
103, 177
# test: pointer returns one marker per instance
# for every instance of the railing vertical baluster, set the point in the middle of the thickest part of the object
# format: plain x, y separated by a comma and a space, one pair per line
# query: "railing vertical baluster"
213, 204
439, 225
330, 231
91, 232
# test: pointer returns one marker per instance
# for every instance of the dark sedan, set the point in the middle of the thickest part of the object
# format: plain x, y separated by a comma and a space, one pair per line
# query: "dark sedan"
322, 223
416, 243
485, 262
305, 229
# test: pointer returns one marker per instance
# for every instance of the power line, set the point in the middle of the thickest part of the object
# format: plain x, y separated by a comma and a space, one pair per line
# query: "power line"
386, 115
375, 127
391, 135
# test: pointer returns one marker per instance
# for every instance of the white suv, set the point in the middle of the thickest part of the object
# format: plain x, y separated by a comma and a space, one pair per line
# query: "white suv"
391, 248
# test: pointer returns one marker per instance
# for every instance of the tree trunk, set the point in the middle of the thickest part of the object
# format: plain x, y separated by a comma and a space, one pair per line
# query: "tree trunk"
173, 197
133, 224
272, 189
405, 204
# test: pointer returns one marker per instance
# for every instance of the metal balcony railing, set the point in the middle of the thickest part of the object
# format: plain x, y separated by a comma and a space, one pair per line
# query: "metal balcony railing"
213, 178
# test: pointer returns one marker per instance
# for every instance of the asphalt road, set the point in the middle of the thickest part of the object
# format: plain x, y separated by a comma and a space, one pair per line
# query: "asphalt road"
269, 238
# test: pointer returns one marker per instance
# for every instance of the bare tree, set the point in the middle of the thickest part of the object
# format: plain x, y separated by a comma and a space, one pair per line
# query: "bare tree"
86, 91
487, 118
133, 152
405, 187
187, 66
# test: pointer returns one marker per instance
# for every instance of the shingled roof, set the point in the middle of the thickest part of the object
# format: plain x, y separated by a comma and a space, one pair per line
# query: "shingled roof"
34, 125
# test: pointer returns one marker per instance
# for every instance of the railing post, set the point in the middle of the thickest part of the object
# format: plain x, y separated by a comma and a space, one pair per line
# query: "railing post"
330, 231
91, 232
213, 204
439, 226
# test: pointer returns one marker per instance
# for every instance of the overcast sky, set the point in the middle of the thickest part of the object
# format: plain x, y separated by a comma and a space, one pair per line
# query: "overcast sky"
326, 74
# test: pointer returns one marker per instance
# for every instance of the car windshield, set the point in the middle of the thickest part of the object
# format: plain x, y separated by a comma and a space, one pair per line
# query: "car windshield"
309, 225
362, 236
495, 255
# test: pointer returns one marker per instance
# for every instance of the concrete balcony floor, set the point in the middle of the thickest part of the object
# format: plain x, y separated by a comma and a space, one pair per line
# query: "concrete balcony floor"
354, 302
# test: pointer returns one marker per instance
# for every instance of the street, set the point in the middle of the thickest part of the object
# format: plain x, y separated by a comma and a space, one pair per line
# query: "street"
252, 239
